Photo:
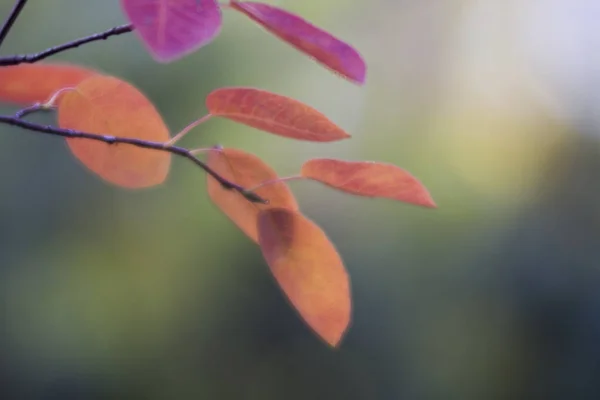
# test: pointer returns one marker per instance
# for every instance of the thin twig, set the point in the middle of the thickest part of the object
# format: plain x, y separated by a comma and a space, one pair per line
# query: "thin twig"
12, 17
32, 58
159, 146
30, 110
37, 107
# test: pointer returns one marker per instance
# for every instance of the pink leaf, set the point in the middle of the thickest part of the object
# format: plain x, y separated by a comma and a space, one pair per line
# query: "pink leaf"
171, 29
317, 43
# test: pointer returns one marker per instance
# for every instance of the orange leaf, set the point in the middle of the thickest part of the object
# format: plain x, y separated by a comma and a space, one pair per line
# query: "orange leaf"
108, 106
368, 179
308, 269
27, 84
306, 37
247, 170
273, 113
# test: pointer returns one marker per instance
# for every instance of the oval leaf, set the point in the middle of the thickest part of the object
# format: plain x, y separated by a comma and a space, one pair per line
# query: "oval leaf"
368, 179
273, 113
28, 84
247, 170
108, 106
304, 36
308, 269
171, 29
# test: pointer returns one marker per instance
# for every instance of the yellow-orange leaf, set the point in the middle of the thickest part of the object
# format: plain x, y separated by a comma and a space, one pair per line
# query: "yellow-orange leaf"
27, 84
368, 179
247, 170
308, 269
273, 113
108, 106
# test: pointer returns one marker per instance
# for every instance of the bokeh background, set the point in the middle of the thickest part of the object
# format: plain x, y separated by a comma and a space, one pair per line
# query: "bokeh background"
154, 294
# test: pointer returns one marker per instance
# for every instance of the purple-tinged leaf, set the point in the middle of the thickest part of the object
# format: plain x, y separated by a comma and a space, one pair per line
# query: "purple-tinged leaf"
306, 37
171, 29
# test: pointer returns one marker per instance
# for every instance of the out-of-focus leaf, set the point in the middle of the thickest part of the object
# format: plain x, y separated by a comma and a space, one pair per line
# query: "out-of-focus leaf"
27, 84
369, 179
246, 170
317, 43
273, 113
308, 269
109, 106
171, 29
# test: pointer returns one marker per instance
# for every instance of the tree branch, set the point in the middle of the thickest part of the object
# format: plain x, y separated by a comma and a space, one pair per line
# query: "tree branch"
159, 146
12, 17
17, 118
30, 110
32, 58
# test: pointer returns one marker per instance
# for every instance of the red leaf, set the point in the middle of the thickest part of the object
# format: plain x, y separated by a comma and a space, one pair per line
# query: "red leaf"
108, 106
247, 170
304, 36
273, 113
308, 269
171, 29
369, 179
28, 84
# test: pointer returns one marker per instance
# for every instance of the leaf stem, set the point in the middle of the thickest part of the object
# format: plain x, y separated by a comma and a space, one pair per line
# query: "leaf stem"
202, 150
158, 146
273, 181
52, 100
32, 58
12, 17
188, 128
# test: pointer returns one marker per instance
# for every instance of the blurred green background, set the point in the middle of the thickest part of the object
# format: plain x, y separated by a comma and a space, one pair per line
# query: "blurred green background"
154, 294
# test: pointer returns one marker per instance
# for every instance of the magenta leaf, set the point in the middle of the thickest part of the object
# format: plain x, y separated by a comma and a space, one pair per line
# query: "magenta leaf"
304, 36
171, 29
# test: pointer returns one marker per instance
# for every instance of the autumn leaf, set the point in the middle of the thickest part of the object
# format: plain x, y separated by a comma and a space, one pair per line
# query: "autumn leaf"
108, 106
308, 269
248, 171
304, 36
369, 179
171, 29
273, 113
28, 84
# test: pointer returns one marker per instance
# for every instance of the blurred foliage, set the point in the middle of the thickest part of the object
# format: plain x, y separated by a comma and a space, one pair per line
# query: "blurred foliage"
154, 294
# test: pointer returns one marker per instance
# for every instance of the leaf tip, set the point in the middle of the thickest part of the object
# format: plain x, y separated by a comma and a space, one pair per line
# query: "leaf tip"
359, 75
362, 78
428, 202
421, 196
336, 339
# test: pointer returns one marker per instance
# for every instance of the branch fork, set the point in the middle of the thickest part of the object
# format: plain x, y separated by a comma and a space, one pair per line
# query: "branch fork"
18, 118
